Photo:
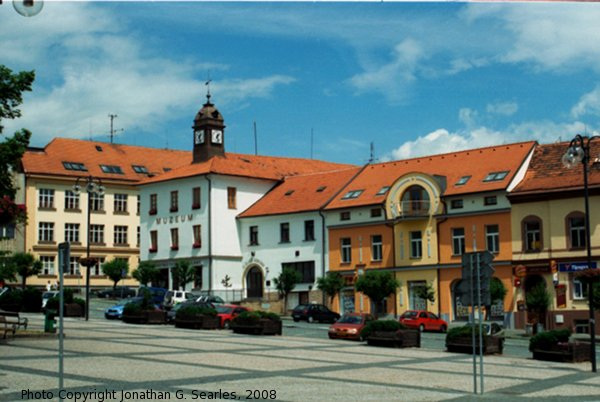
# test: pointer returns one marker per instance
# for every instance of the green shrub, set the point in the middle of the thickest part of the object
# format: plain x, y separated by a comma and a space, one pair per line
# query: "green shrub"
465, 330
253, 317
79, 301
549, 339
381, 325
32, 300
132, 309
191, 312
12, 299
52, 303
68, 295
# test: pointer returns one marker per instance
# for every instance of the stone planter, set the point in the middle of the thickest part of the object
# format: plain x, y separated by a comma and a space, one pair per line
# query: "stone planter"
572, 352
262, 327
73, 310
402, 338
464, 344
200, 321
145, 317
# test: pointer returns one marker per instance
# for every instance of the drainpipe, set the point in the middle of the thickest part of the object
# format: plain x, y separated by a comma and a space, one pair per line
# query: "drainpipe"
209, 234
323, 248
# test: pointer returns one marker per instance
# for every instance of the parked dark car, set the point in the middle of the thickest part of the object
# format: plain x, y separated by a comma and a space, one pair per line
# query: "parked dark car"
314, 312
158, 294
118, 292
172, 312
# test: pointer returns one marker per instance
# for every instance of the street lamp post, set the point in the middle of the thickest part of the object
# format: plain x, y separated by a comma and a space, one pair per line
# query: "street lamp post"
91, 185
579, 152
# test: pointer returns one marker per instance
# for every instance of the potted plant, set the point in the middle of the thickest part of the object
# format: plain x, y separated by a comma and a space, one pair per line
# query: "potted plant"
390, 333
196, 317
257, 323
460, 340
555, 346
73, 306
144, 311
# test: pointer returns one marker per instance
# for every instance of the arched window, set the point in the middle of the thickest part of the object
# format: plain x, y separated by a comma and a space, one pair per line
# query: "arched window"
531, 227
575, 226
415, 201
254, 283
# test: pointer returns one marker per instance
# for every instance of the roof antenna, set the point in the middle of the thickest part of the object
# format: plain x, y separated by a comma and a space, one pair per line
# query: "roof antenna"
207, 83
372, 156
255, 140
311, 142
112, 130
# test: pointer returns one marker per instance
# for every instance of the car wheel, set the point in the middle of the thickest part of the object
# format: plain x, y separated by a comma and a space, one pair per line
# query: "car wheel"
443, 328
310, 318
226, 324
421, 328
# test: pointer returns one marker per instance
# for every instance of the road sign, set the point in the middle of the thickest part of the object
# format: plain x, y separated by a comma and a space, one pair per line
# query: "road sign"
477, 272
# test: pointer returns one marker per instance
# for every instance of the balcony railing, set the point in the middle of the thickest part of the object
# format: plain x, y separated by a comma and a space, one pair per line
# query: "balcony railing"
411, 209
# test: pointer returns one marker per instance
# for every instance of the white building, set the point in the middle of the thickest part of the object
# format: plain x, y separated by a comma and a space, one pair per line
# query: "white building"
190, 213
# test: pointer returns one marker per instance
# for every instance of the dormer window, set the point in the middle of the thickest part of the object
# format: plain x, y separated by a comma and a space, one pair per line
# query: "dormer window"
463, 180
289, 192
352, 194
111, 169
383, 190
140, 169
496, 176
75, 166
320, 189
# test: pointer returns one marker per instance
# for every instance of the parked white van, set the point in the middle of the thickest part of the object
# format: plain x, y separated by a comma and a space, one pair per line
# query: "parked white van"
174, 297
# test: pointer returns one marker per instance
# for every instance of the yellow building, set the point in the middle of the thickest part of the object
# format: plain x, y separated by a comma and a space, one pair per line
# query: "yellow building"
548, 236
56, 213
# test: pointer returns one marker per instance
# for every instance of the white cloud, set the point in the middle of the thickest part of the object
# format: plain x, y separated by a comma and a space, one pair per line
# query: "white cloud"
589, 103
393, 77
502, 108
467, 116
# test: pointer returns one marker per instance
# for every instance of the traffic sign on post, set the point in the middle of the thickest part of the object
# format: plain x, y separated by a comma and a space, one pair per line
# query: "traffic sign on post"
477, 272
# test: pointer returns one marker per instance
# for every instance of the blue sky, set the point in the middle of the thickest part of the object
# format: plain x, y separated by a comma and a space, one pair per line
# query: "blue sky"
413, 78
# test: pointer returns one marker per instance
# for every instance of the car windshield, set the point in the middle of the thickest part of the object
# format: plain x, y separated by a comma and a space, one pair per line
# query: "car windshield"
486, 327
301, 307
224, 310
350, 319
409, 314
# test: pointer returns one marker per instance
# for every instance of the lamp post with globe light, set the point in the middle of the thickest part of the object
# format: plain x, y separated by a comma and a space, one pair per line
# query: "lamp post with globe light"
91, 185
579, 152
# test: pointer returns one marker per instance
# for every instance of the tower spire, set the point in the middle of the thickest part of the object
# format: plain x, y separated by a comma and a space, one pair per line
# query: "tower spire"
207, 83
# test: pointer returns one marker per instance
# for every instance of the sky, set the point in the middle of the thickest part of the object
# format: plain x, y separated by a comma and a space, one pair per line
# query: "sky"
412, 78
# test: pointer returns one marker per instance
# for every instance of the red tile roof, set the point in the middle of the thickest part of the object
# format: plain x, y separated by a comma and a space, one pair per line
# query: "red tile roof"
93, 154
255, 166
546, 171
477, 163
301, 193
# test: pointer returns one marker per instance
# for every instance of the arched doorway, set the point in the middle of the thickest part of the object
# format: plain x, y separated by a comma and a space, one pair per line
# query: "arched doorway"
254, 283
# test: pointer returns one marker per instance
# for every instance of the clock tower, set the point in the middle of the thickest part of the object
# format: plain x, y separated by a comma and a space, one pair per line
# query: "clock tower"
208, 133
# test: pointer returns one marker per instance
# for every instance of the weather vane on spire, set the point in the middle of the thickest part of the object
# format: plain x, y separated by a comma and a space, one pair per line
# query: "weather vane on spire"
207, 83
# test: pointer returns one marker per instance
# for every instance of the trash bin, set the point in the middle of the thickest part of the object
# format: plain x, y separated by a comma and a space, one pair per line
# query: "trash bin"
49, 321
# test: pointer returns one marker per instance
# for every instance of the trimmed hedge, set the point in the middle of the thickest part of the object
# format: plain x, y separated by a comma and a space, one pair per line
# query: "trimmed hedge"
253, 317
549, 339
190, 312
381, 325
460, 332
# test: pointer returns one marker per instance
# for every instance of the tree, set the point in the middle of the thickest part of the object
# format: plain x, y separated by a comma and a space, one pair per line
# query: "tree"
286, 282
115, 270
425, 292
25, 265
7, 268
330, 284
183, 273
145, 272
377, 286
538, 300
497, 294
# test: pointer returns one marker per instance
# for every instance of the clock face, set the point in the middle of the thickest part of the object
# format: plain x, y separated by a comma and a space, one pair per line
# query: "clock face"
199, 137
217, 136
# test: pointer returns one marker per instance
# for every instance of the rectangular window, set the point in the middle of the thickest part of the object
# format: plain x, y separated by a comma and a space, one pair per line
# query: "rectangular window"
231, 202
532, 236
492, 238
309, 230
137, 238
46, 199
253, 235
416, 244
174, 239
345, 216
97, 234
72, 232
496, 176
139, 203
383, 190
7, 231
376, 248
47, 264
458, 241
96, 270
376, 212
352, 194
120, 235
196, 198
153, 204
73, 266
96, 202
580, 290
120, 203
74, 166
46, 231
284, 232
111, 169
456, 204
153, 241
71, 200
577, 232
463, 180
140, 169
174, 201
306, 269
197, 236
490, 200
346, 250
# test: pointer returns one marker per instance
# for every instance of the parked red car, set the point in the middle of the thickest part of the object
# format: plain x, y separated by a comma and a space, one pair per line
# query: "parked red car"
423, 321
226, 312
350, 326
